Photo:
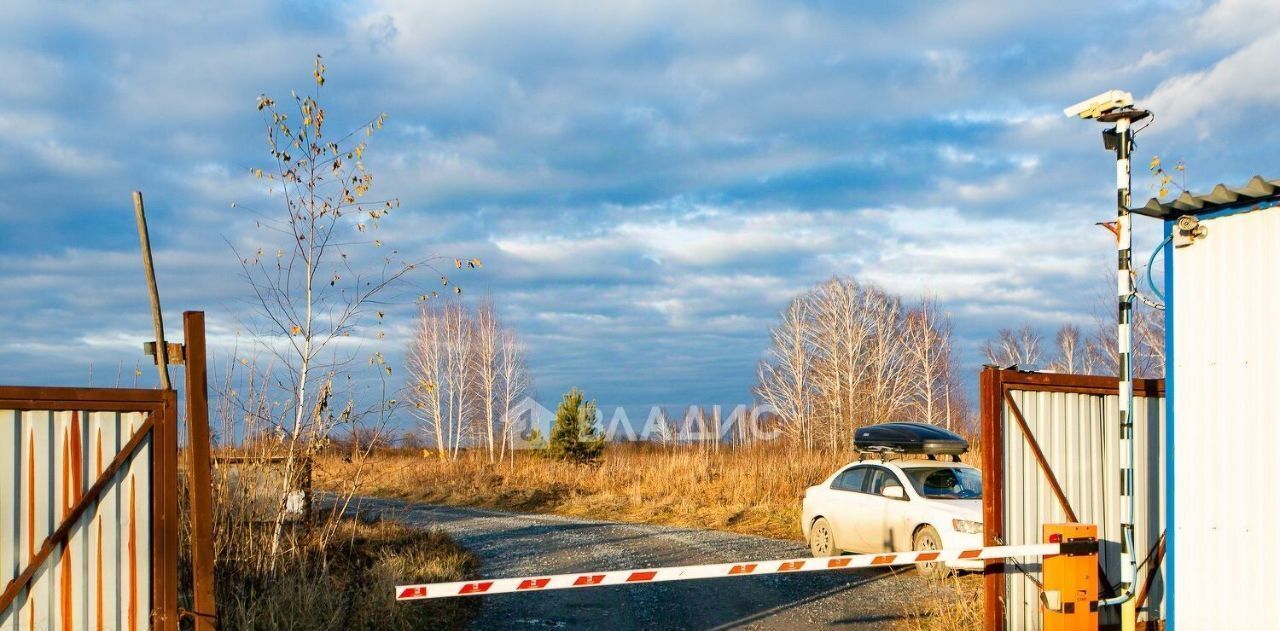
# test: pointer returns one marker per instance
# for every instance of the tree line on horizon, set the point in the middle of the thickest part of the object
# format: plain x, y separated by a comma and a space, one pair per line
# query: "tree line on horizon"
843, 354
846, 354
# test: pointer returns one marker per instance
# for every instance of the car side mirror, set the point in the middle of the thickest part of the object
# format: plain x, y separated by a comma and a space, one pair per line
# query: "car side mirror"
894, 492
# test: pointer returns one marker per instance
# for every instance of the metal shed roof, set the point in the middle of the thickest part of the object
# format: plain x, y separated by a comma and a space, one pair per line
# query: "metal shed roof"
1256, 191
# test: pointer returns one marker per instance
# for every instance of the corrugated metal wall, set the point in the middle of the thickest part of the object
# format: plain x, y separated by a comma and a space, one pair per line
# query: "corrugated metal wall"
1225, 371
1078, 434
102, 578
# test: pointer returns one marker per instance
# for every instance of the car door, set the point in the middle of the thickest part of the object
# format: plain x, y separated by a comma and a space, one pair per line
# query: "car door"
845, 507
882, 525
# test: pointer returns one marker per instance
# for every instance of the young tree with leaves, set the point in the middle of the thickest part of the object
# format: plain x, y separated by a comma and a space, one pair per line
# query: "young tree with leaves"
327, 278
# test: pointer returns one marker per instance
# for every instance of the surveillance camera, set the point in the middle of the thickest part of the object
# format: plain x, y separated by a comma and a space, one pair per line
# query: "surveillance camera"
1189, 229
1101, 104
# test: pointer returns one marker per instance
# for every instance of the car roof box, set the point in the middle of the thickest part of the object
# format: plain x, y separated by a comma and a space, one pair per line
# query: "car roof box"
909, 438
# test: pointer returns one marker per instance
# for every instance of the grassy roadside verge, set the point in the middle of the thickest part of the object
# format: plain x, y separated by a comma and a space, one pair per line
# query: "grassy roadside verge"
348, 583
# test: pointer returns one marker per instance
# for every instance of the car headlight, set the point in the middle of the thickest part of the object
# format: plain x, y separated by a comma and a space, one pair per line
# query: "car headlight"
967, 526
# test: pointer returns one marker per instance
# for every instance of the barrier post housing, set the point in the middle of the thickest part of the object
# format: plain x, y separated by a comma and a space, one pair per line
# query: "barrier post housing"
1070, 601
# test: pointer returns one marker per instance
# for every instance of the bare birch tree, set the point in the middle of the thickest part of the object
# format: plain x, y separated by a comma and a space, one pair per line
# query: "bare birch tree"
1147, 328
1092, 351
1014, 348
314, 280
846, 355
487, 342
928, 350
1070, 348
466, 374
784, 376
513, 383
458, 374
660, 428
426, 379
889, 386
840, 335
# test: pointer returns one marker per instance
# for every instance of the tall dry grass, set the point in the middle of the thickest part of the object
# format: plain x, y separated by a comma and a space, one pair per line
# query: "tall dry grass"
329, 572
338, 575
275, 568
752, 490
349, 584
957, 608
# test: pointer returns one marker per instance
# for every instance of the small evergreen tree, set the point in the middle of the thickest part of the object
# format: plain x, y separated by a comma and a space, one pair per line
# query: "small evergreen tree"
574, 436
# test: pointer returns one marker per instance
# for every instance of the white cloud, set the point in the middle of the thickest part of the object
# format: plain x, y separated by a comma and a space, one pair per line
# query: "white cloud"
948, 65
704, 238
1235, 22
1248, 77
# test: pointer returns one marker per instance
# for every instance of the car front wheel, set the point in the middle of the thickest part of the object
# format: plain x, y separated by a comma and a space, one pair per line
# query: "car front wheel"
821, 542
927, 539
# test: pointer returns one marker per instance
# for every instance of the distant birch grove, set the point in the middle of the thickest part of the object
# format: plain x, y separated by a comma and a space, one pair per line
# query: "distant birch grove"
466, 373
845, 354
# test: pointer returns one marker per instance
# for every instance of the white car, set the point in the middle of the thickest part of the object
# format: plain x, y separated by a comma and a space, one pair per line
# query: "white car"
897, 505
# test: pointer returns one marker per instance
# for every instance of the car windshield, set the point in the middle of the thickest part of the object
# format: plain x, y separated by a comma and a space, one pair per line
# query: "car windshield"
946, 483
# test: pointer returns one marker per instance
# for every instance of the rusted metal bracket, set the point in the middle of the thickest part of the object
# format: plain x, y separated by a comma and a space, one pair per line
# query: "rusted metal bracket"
174, 353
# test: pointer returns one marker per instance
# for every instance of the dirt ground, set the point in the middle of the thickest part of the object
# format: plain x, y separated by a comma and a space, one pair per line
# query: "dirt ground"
514, 544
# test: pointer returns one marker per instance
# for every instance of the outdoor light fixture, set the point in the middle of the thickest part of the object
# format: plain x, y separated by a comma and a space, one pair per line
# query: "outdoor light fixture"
1116, 106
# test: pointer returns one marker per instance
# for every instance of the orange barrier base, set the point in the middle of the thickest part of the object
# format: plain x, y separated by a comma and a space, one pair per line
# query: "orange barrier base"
1070, 600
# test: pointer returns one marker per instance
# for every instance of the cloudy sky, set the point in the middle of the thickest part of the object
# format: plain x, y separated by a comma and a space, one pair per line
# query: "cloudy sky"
647, 183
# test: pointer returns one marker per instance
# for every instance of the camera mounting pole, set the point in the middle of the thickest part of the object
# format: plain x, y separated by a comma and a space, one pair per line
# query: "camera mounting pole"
1117, 107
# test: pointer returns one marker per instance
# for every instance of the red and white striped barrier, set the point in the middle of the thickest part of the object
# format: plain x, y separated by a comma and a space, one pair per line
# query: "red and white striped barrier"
690, 572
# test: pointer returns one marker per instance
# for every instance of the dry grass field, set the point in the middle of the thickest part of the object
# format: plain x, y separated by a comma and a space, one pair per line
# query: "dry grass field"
752, 490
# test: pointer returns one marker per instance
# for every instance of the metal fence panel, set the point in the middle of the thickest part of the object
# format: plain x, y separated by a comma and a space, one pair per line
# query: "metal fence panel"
101, 577
1074, 423
1078, 434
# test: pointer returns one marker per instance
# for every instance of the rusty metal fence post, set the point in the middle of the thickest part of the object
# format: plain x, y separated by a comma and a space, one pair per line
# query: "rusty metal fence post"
992, 428
203, 601
165, 515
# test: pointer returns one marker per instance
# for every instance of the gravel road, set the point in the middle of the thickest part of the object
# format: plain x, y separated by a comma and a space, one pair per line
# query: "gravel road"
512, 544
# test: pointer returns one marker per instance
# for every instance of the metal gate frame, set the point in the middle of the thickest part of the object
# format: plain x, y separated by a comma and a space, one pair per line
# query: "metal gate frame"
161, 424
994, 387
